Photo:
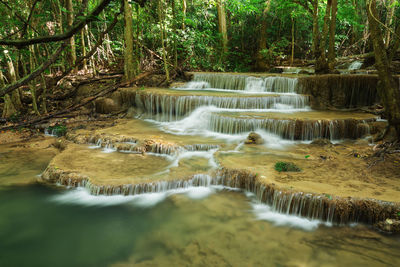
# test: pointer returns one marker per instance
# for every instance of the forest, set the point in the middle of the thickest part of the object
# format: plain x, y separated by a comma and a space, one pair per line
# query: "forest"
190, 132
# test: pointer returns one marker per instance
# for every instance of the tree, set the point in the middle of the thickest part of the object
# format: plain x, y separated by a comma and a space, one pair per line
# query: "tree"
387, 87
129, 59
222, 27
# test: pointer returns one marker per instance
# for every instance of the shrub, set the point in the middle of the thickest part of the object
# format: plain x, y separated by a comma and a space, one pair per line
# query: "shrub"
286, 167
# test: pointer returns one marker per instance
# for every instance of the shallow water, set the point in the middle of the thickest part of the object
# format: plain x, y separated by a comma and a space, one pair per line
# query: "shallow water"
200, 226
43, 226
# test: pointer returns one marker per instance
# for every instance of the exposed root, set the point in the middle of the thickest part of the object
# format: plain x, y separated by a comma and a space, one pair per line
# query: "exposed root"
382, 150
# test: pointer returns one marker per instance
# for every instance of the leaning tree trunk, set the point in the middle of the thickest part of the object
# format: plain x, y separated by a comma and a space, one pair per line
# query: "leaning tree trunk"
12, 104
387, 87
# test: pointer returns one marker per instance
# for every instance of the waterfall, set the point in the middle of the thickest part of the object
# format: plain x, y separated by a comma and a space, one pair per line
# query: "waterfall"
290, 129
321, 207
163, 107
355, 65
272, 84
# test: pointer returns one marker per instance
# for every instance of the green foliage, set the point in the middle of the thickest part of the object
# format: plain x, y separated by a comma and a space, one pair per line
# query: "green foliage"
15, 117
286, 167
58, 130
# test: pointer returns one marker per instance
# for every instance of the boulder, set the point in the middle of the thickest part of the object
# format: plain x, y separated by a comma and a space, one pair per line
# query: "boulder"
389, 225
254, 139
321, 142
106, 105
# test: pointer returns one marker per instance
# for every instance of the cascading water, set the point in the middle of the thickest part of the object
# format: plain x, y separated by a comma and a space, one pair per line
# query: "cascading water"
205, 114
356, 65
271, 84
170, 108
241, 104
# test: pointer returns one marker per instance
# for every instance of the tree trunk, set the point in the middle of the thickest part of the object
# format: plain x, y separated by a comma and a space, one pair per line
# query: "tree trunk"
129, 60
332, 30
184, 7
293, 41
261, 63
163, 37
315, 35
12, 104
222, 27
70, 20
387, 88
389, 20
321, 64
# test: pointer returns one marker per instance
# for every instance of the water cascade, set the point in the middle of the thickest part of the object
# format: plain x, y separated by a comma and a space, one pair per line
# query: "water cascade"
312, 206
239, 104
170, 107
296, 129
271, 84
355, 65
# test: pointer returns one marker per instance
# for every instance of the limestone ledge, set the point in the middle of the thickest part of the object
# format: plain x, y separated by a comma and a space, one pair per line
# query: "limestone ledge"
124, 143
324, 207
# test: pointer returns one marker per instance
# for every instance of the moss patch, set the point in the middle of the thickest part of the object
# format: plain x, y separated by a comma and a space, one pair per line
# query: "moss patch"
286, 167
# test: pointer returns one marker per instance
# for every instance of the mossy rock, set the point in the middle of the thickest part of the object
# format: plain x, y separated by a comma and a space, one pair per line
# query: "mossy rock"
286, 167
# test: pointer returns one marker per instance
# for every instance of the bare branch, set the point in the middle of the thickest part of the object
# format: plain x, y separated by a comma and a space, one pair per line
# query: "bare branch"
33, 74
60, 37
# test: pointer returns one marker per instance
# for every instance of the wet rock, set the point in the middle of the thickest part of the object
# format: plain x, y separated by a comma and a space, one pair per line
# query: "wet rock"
106, 105
254, 139
321, 142
60, 144
389, 225
362, 142
305, 72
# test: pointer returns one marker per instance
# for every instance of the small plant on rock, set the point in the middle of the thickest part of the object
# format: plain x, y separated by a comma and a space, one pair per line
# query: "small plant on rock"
286, 167
58, 130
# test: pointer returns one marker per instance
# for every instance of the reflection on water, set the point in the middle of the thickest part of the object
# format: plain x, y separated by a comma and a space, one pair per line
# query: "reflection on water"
40, 226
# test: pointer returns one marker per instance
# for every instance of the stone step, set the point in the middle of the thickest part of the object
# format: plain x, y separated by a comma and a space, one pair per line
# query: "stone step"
295, 126
169, 104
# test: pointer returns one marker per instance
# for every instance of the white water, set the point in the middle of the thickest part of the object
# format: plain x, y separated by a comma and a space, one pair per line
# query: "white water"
356, 65
232, 82
265, 213
81, 196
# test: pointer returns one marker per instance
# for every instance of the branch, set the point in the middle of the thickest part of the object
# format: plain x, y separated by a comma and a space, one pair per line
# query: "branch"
29, 18
26, 23
33, 74
81, 104
94, 49
59, 37
304, 5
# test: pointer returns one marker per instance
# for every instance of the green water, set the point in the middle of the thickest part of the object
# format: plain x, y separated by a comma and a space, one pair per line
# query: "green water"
39, 228
53, 226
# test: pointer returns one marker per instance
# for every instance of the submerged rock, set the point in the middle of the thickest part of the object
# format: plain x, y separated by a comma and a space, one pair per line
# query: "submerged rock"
105, 105
254, 139
389, 225
321, 142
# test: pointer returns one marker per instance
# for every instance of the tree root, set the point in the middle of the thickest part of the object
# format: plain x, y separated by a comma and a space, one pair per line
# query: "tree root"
382, 150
